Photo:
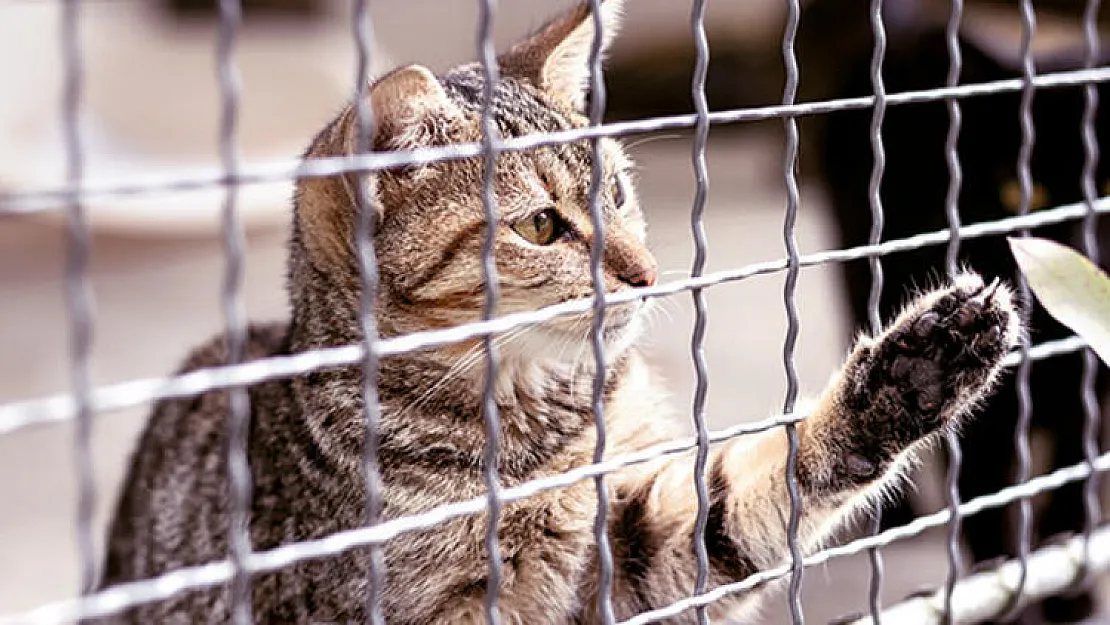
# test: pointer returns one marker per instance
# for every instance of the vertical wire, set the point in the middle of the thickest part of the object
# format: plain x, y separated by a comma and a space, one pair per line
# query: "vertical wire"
490, 151
1091, 411
78, 291
875, 193
368, 272
597, 330
238, 467
952, 210
697, 341
790, 164
1025, 407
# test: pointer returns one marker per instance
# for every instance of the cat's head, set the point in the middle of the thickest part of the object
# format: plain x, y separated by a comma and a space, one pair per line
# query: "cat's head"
430, 219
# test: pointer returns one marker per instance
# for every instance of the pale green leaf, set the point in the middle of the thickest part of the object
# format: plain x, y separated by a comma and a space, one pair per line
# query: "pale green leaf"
1070, 287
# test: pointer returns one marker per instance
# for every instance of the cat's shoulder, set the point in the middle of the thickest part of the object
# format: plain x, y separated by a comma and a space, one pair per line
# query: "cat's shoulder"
174, 420
262, 340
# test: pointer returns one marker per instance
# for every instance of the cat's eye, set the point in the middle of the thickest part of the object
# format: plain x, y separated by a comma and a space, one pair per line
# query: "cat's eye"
1010, 195
1106, 188
543, 228
619, 195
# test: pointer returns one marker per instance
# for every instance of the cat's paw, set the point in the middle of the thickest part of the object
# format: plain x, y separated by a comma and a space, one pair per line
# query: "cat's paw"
935, 361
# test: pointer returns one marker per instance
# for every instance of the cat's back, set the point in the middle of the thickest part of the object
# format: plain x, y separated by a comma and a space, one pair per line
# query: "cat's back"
172, 510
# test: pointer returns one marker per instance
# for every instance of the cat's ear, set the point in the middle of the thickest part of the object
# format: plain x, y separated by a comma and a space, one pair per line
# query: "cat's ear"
557, 58
402, 101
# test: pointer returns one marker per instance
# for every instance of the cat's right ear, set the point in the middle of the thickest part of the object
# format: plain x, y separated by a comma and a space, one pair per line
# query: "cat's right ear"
556, 59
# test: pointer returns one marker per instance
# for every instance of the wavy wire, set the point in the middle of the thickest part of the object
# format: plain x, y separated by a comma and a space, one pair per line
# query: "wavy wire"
491, 147
78, 294
874, 192
1092, 505
1024, 397
597, 328
697, 339
952, 214
793, 267
235, 319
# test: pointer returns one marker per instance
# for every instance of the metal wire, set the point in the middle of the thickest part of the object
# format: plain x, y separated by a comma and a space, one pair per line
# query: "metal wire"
238, 466
125, 596
24, 202
368, 322
491, 149
1092, 506
56, 408
952, 214
697, 340
878, 151
793, 267
1024, 398
597, 328
874, 191
981, 596
78, 293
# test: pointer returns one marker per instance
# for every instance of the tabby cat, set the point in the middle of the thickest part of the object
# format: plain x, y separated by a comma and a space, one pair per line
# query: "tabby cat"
895, 392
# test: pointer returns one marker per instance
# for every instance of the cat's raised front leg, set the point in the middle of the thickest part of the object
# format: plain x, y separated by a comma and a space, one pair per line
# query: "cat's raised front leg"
925, 372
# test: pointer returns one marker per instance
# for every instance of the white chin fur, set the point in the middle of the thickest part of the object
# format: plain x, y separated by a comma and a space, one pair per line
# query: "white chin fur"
567, 343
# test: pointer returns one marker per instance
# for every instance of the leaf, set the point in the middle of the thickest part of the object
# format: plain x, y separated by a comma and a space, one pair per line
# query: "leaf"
1070, 287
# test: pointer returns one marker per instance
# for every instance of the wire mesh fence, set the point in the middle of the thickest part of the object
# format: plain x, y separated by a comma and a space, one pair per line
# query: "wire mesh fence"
962, 598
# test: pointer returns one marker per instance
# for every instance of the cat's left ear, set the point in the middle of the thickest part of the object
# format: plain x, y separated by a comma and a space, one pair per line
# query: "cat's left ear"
557, 58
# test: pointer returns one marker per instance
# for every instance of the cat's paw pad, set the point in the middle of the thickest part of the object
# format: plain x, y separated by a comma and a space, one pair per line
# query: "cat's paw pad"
943, 352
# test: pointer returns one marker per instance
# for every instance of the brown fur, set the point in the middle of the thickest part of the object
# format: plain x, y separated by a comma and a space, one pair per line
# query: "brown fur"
895, 391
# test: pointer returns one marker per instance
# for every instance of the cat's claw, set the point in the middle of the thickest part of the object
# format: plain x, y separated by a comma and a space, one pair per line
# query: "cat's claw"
950, 343
937, 358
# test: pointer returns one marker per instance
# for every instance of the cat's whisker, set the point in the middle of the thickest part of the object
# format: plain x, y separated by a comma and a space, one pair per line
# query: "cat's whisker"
651, 139
465, 362
562, 349
500, 341
469, 359
584, 345
511, 336
655, 309
664, 307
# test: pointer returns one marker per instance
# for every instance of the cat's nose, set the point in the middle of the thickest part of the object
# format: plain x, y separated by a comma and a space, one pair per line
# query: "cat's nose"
640, 276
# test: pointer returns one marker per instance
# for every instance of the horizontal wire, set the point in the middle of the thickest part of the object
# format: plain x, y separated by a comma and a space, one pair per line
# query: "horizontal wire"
57, 408
126, 596
1030, 488
26, 202
984, 595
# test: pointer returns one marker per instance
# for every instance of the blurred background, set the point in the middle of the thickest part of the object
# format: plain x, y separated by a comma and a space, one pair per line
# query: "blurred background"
150, 109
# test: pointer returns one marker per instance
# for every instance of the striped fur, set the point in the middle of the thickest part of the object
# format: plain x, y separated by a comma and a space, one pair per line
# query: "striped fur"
895, 392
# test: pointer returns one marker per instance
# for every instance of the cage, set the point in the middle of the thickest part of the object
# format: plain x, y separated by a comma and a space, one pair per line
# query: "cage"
138, 229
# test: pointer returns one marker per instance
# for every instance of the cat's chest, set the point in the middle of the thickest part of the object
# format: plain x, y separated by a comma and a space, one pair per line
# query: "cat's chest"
638, 414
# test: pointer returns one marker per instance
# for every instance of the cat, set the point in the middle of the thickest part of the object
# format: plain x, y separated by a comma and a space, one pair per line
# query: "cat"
895, 392
914, 189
